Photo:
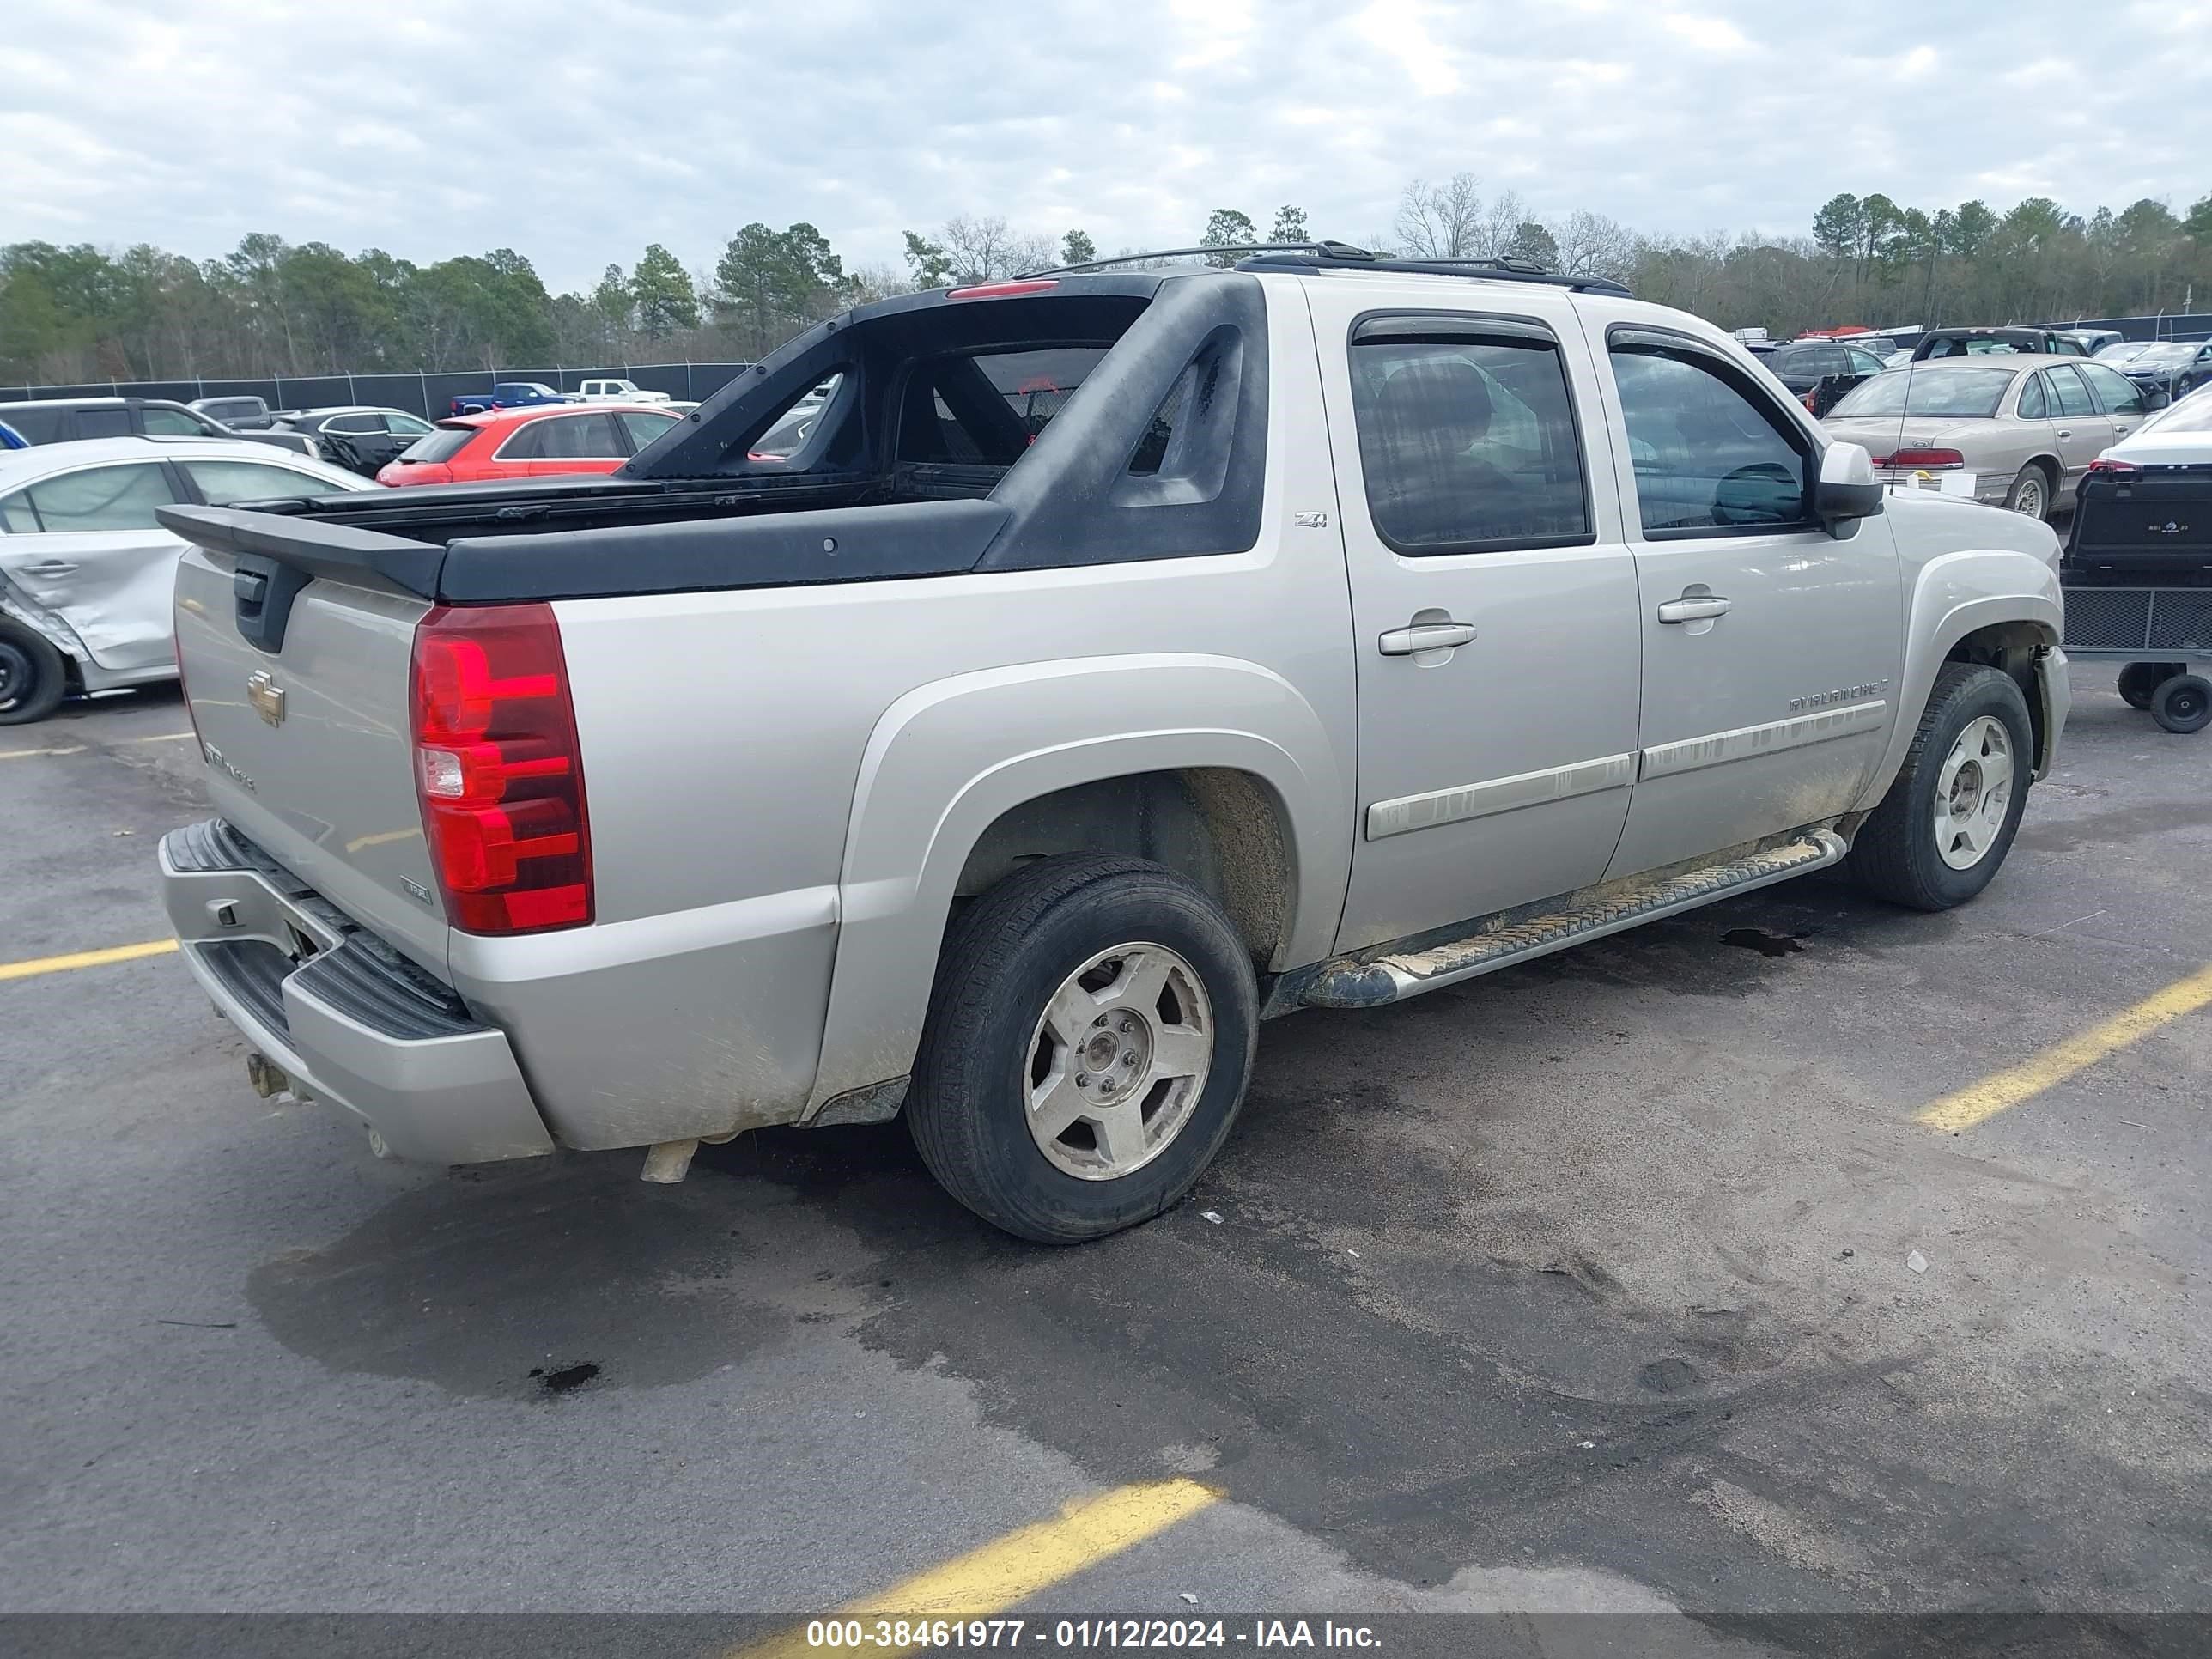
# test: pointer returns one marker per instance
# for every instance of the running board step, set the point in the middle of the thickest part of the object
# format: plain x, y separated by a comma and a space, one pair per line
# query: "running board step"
1366, 982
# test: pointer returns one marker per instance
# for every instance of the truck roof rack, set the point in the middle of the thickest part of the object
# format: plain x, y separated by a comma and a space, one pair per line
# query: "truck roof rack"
1343, 256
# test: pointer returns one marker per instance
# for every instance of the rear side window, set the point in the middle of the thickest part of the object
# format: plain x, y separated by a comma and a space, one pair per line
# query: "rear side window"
1709, 455
2072, 396
225, 482
1469, 444
173, 423
104, 423
2033, 407
567, 438
102, 498
16, 515
441, 444
37, 425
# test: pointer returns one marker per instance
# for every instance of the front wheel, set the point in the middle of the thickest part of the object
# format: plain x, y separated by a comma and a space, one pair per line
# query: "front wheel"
1089, 1040
1950, 816
33, 677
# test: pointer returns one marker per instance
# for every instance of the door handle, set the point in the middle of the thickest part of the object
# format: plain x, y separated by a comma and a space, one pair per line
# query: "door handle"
50, 568
1698, 610
2065, 432
1424, 637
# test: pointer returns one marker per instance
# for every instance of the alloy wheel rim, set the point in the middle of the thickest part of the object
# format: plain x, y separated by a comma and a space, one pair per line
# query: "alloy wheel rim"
1973, 793
15, 675
2030, 501
1118, 1061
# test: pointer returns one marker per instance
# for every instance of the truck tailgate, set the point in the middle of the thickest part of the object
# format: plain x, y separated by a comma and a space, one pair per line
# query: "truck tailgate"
307, 745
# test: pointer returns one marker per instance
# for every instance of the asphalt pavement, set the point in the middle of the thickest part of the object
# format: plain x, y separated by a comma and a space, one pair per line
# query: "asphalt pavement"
1586, 1287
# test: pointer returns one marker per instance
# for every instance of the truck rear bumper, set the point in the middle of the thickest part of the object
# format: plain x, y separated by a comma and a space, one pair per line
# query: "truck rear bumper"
352, 1020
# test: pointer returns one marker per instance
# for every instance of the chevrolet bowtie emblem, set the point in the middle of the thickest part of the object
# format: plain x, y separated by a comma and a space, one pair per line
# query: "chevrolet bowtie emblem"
266, 696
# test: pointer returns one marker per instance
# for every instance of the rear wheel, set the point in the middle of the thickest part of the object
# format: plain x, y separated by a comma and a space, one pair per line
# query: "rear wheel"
1089, 1040
32, 676
1949, 817
2030, 492
2139, 681
2184, 703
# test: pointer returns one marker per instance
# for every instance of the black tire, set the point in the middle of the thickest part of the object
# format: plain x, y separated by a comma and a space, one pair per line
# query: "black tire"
1004, 960
33, 678
2182, 704
2033, 478
2139, 681
1895, 856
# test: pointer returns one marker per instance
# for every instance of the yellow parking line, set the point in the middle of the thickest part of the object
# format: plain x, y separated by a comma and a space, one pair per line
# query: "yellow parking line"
26, 754
2007, 1089
38, 965
1016, 1566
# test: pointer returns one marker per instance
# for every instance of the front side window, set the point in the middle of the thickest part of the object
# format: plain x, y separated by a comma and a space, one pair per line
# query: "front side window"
356, 425
225, 482
644, 428
105, 423
2068, 392
403, 425
172, 423
1707, 456
102, 498
1468, 445
2118, 394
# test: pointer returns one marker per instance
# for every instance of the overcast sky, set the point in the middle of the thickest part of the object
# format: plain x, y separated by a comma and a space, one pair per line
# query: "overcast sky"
576, 132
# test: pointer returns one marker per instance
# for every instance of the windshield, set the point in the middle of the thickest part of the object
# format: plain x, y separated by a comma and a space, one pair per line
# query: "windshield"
1966, 394
2121, 351
2164, 355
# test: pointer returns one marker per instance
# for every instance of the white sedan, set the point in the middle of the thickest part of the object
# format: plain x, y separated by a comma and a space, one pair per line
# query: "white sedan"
86, 568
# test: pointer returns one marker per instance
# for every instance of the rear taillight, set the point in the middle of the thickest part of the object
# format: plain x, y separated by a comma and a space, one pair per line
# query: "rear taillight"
1923, 458
2117, 469
499, 771
1003, 290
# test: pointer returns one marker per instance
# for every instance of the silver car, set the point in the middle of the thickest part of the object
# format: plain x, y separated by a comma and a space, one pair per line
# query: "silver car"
2014, 430
86, 572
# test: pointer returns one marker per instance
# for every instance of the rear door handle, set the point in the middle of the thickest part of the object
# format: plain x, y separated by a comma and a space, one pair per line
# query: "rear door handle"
1425, 636
2065, 431
51, 568
1690, 610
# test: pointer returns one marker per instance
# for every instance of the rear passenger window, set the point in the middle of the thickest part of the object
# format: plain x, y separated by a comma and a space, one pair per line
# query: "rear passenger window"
1469, 444
103, 423
2073, 396
581, 438
1708, 454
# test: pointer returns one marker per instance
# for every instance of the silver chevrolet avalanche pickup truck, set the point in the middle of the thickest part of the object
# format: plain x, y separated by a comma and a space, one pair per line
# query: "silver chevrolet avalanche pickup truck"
1118, 659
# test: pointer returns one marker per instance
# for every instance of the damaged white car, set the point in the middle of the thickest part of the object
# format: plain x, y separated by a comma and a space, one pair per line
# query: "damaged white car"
87, 573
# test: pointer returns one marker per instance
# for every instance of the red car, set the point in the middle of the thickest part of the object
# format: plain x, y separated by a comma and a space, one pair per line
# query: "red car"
522, 443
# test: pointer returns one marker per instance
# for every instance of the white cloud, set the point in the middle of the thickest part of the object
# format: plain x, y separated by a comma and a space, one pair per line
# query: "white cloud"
576, 132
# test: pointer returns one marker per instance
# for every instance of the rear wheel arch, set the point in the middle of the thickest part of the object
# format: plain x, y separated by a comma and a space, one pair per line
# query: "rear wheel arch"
1223, 830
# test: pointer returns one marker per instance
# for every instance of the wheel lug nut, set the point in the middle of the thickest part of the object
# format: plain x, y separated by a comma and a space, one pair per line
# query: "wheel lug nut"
1129, 1056
1101, 1020
1083, 1079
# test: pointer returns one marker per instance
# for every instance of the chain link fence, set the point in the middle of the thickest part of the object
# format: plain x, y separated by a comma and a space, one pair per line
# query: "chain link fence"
426, 394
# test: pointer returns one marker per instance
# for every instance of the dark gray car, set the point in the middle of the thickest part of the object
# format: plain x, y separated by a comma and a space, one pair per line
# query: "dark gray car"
72, 419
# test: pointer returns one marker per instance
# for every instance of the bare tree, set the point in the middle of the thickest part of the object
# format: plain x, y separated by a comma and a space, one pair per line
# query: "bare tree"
984, 249
1441, 221
1591, 245
1498, 225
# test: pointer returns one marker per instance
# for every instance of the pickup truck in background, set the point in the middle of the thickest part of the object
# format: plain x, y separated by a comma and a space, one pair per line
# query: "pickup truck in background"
617, 392
1333, 629
508, 394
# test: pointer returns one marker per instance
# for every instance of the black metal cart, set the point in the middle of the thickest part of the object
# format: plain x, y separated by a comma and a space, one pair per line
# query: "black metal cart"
2163, 635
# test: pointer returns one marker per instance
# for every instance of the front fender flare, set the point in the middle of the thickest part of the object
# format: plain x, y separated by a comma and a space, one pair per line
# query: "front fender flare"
947, 759
1955, 594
